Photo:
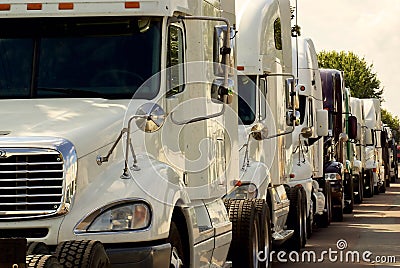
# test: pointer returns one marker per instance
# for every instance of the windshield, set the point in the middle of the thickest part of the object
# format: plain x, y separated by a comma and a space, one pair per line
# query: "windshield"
104, 57
247, 99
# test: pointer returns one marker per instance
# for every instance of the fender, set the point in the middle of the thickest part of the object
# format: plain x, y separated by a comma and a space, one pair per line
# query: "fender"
334, 167
258, 174
155, 183
357, 166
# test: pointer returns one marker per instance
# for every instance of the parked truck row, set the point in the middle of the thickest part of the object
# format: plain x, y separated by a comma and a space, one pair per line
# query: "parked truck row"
174, 133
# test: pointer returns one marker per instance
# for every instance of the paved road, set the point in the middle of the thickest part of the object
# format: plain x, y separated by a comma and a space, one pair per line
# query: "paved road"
373, 230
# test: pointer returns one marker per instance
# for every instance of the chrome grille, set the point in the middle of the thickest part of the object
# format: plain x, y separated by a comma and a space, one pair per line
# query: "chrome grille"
31, 182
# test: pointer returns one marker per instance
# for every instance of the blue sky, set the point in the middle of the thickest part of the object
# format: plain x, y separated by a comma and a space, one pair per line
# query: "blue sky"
369, 28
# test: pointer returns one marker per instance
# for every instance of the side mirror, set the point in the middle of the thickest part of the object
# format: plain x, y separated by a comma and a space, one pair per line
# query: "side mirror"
218, 50
384, 138
151, 117
293, 117
293, 97
322, 123
259, 132
359, 131
352, 127
221, 93
369, 137
306, 132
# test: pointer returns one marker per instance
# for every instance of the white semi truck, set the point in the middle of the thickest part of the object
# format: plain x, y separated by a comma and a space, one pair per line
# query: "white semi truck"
374, 167
359, 152
267, 119
308, 136
114, 148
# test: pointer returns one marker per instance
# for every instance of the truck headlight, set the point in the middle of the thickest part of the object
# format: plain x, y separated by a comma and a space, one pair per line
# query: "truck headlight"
332, 176
121, 217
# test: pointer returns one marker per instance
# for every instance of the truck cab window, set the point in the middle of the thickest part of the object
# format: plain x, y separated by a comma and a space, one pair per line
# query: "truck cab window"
175, 60
302, 108
108, 57
278, 34
263, 98
247, 99
310, 113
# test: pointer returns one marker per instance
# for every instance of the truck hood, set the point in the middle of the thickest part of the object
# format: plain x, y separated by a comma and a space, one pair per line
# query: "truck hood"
78, 120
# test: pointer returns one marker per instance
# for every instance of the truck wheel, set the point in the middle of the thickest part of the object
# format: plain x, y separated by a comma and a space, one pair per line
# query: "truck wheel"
295, 220
34, 248
348, 208
337, 213
325, 219
265, 239
304, 215
227, 203
177, 255
388, 182
369, 185
82, 254
382, 188
42, 261
359, 188
337, 210
244, 247
377, 190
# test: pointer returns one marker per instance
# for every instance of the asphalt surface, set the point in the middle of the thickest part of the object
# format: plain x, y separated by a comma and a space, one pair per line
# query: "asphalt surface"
370, 236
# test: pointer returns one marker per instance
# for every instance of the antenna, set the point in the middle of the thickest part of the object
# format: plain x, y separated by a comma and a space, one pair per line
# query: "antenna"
297, 46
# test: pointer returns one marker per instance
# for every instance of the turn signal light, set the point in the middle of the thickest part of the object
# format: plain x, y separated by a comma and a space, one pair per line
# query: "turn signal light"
65, 6
132, 4
34, 6
5, 7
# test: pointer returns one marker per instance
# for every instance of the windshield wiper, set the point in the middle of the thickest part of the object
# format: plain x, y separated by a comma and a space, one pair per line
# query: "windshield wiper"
73, 92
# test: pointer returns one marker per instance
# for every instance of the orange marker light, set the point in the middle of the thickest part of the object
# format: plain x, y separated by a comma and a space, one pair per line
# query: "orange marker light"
302, 88
240, 68
132, 4
66, 6
34, 6
238, 183
5, 7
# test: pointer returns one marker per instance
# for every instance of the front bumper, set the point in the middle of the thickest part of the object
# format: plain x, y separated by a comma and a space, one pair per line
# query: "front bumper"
151, 256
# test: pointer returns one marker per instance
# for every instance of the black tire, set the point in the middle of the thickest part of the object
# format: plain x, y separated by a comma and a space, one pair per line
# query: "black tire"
82, 254
388, 182
337, 209
358, 187
382, 188
42, 261
377, 190
245, 234
177, 254
348, 208
37, 248
304, 214
325, 219
295, 220
227, 203
393, 179
369, 185
337, 213
265, 240
309, 227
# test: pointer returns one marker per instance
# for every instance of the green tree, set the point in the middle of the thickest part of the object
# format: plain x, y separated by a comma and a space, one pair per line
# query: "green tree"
393, 122
359, 76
